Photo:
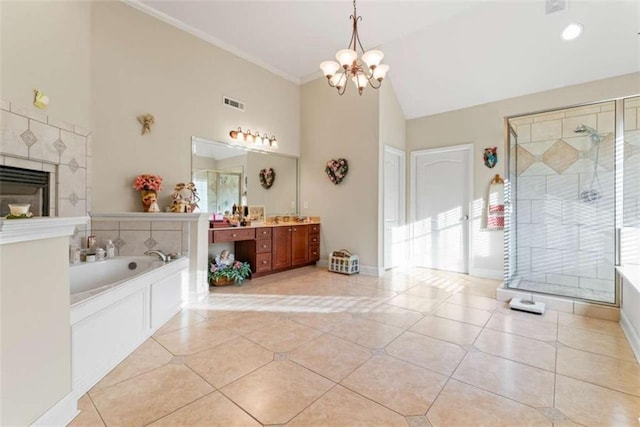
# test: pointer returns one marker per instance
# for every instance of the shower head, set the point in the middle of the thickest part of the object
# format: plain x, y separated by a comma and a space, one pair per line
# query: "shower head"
593, 135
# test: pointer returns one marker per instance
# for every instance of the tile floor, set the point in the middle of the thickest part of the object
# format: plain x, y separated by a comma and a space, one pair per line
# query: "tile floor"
412, 348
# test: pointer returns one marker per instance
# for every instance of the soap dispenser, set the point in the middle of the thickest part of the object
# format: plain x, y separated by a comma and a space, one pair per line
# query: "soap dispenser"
111, 249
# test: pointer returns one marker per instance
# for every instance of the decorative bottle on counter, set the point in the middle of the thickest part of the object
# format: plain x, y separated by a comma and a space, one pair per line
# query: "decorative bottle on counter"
111, 249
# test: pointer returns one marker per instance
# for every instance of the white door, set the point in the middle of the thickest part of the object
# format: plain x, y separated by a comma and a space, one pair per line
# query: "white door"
394, 242
441, 182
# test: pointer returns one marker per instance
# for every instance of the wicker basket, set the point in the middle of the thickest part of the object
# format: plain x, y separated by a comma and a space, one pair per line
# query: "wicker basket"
344, 262
221, 282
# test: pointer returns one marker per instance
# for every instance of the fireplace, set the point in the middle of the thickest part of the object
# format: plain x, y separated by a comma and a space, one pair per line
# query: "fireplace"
22, 186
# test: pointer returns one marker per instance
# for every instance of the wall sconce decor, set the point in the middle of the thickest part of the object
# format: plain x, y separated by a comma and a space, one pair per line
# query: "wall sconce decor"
40, 100
146, 121
255, 138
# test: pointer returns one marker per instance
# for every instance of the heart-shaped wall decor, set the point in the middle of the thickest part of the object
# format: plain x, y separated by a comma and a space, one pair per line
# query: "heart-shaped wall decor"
267, 176
337, 170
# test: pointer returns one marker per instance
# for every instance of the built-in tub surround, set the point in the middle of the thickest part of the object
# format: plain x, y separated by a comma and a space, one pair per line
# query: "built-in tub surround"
134, 233
109, 320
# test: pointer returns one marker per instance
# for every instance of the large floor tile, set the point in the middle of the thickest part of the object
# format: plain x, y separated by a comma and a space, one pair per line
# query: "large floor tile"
341, 407
181, 320
464, 405
195, 338
149, 396
447, 330
88, 416
526, 384
543, 331
392, 315
209, 411
606, 371
592, 405
463, 314
608, 345
367, 333
428, 291
320, 320
474, 301
401, 386
283, 336
415, 303
436, 355
148, 356
275, 393
330, 356
229, 361
244, 322
591, 324
517, 348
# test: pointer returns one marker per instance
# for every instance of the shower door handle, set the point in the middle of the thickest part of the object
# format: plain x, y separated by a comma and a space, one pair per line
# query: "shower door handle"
464, 218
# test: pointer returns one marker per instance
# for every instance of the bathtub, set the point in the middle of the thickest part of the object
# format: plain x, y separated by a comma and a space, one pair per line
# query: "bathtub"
115, 306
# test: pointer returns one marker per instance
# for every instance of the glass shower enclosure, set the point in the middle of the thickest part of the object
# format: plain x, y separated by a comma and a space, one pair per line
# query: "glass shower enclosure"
563, 201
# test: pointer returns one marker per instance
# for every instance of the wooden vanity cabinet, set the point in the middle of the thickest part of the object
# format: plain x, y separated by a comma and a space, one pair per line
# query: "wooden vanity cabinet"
272, 249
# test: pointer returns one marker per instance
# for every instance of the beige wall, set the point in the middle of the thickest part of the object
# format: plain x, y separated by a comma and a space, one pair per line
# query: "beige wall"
35, 346
483, 126
345, 126
47, 45
142, 65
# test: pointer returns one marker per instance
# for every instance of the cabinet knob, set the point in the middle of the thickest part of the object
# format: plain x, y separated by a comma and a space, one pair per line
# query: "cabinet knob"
264, 232
264, 246
295, 229
234, 235
315, 253
264, 262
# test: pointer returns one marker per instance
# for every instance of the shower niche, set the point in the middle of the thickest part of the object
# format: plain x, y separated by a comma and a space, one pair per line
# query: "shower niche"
562, 173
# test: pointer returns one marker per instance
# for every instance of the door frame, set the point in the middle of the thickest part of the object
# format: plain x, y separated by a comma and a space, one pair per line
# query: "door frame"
469, 148
402, 191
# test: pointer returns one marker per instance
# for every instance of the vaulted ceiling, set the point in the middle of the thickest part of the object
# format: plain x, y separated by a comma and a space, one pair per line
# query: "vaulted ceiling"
444, 55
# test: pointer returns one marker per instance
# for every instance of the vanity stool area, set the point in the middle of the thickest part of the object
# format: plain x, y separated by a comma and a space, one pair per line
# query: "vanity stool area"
272, 248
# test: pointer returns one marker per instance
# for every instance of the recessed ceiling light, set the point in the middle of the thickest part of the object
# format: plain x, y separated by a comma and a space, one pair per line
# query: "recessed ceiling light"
572, 32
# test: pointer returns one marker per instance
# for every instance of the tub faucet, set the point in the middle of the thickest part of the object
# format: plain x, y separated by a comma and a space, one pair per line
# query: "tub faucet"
160, 254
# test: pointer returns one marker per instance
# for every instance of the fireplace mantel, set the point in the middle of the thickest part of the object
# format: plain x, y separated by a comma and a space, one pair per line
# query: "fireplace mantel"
24, 230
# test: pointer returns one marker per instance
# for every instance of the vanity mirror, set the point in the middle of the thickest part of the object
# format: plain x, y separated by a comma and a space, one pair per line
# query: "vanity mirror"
227, 174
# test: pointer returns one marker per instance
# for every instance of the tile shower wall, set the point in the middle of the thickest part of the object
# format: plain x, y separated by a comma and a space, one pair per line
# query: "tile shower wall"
31, 139
565, 243
132, 238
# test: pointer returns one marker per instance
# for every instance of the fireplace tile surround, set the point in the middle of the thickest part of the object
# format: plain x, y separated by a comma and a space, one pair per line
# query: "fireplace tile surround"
31, 139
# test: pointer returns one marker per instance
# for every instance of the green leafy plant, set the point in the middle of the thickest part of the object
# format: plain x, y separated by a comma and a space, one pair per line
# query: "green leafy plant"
236, 271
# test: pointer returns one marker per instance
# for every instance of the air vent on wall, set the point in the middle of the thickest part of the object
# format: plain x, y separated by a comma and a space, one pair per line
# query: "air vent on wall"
232, 103
551, 6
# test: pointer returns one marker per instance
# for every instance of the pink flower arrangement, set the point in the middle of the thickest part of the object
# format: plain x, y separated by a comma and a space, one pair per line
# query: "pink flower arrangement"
148, 182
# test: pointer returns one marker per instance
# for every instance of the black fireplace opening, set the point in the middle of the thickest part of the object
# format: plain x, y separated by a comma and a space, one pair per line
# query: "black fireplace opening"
24, 186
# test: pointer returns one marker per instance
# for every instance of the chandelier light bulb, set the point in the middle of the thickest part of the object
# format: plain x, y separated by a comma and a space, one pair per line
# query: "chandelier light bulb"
346, 57
380, 72
337, 80
360, 80
372, 58
329, 68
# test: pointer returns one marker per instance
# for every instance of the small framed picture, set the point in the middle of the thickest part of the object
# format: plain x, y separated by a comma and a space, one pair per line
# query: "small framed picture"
256, 215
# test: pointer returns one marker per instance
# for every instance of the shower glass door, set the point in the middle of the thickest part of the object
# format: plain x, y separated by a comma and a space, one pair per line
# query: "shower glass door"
561, 234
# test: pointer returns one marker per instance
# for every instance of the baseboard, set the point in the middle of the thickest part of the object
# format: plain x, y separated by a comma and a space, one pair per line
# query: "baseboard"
486, 274
364, 269
631, 333
61, 413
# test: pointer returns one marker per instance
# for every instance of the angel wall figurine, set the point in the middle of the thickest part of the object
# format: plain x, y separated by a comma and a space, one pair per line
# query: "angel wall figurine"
146, 121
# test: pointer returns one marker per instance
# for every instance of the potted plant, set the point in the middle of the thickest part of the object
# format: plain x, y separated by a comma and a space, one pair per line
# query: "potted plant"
227, 274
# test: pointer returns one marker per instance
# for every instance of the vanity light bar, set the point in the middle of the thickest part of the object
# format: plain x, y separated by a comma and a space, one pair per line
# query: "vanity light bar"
254, 138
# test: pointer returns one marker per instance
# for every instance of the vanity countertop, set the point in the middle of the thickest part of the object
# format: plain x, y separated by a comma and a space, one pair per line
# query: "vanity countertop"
270, 224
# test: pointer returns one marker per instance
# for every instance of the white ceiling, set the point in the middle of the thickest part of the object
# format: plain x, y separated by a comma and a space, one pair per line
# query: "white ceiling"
444, 55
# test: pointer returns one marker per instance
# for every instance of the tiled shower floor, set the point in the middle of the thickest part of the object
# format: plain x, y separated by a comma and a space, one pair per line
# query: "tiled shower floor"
413, 348
566, 291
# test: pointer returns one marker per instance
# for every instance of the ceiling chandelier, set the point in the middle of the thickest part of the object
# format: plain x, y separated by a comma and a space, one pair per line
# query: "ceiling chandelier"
361, 71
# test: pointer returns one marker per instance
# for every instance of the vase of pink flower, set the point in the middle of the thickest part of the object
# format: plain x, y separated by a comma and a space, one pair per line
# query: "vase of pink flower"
148, 185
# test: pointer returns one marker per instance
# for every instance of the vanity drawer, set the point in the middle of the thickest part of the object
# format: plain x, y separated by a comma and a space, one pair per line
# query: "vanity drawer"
314, 239
263, 233
314, 228
263, 262
314, 252
232, 235
263, 246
